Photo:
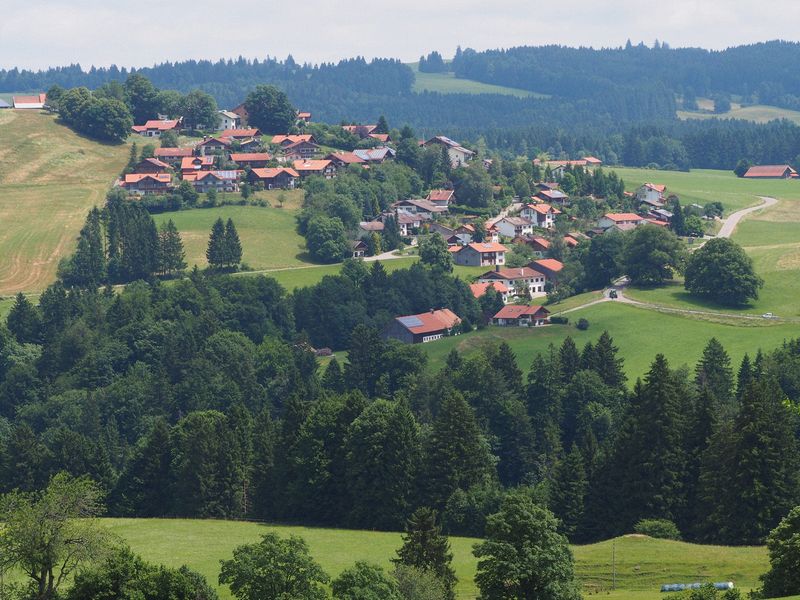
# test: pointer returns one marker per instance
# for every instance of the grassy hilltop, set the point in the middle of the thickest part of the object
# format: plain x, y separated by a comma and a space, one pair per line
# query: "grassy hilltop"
642, 563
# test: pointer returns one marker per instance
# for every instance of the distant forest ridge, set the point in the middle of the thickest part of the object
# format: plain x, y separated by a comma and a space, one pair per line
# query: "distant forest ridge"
617, 103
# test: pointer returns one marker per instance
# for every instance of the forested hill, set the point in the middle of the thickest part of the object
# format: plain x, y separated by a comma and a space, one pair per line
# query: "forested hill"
765, 73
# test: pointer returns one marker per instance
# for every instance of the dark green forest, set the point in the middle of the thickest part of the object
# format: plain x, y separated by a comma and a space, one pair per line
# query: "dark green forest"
616, 103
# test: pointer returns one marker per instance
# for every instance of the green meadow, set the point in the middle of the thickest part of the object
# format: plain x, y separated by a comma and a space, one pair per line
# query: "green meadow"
639, 333
758, 113
448, 83
642, 564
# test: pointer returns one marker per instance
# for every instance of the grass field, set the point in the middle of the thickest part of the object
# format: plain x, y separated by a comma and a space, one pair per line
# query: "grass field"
702, 186
640, 334
268, 235
642, 564
49, 178
759, 113
448, 83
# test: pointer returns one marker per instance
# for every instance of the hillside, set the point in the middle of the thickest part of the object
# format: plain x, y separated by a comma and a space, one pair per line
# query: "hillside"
49, 178
642, 563
757, 113
448, 83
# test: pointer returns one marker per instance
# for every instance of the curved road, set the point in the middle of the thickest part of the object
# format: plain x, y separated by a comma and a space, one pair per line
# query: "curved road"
733, 220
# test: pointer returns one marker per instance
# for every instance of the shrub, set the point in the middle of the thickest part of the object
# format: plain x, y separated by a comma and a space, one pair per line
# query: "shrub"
663, 529
582, 324
559, 320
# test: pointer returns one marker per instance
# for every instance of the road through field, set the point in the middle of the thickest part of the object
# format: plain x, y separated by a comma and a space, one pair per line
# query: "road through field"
732, 221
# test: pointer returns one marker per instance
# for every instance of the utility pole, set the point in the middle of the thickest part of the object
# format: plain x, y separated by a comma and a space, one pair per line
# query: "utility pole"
614, 565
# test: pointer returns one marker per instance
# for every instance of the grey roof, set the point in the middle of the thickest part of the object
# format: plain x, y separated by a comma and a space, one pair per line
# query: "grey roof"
411, 321
4, 104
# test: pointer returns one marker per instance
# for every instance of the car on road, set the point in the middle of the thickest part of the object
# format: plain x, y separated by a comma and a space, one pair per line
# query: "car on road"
768, 315
612, 294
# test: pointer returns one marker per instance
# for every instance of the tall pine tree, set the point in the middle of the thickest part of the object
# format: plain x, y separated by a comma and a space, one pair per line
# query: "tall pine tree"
215, 253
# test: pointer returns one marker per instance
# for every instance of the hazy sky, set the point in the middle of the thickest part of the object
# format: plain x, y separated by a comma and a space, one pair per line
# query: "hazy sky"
41, 33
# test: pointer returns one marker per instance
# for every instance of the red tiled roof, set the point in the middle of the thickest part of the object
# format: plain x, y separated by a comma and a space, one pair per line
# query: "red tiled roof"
550, 264
240, 133
311, 165
621, 217
440, 195
592, 160
657, 222
656, 187
381, 137
249, 156
189, 163
274, 172
173, 152
544, 209
570, 241
429, 322
515, 311
479, 289
304, 115
768, 171
279, 139
137, 177
156, 163
158, 125
222, 175
346, 157
37, 99
512, 273
217, 140
487, 247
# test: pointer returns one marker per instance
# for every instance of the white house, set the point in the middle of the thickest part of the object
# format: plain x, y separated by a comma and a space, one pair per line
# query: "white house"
651, 194
621, 221
228, 120
457, 153
513, 227
480, 254
521, 280
540, 214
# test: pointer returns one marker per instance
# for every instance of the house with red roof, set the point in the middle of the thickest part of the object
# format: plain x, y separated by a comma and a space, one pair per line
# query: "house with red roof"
552, 196
213, 145
523, 281
415, 206
173, 156
620, 221
381, 137
342, 160
192, 164
304, 116
480, 254
652, 194
151, 165
540, 214
424, 327
441, 197
284, 140
29, 102
521, 315
360, 131
323, 168
300, 150
275, 178
409, 223
155, 127
550, 267
538, 244
479, 289
145, 184
221, 181
240, 134
770, 172
375, 155
254, 160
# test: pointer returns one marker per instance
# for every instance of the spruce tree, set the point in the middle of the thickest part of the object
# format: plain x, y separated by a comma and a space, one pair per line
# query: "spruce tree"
171, 256
714, 373
703, 423
455, 455
87, 267
215, 253
25, 321
744, 376
504, 362
606, 362
144, 486
569, 359
232, 246
424, 547
333, 378
568, 492
382, 126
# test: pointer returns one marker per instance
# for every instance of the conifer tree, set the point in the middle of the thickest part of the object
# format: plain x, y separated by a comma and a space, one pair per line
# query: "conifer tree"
87, 267
606, 362
456, 455
215, 253
703, 423
714, 373
568, 492
232, 246
504, 361
382, 126
569, 359
744, 377
25, 321
264, 481
171, 256
424, 547
333, 378
144, 486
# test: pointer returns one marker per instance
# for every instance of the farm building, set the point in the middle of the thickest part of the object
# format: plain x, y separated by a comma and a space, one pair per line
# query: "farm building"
424, 327
771, 172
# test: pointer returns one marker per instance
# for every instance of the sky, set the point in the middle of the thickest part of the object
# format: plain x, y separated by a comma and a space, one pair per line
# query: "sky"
40, 33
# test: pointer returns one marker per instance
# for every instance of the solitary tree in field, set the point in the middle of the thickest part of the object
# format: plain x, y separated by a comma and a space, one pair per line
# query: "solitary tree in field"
50, 534
652, 254
171, 257
274, 568
721, 271
424, 547
524, 556
215, 253
233, 246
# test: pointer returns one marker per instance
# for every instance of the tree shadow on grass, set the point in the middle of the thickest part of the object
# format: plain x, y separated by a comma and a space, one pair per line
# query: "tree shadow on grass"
679, 297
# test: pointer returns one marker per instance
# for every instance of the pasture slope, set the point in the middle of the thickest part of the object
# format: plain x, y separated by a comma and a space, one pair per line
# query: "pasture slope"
448, 83
758, 113
642, 563
49, 179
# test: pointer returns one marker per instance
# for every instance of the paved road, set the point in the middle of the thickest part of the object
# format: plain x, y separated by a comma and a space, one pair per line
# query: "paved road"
733, 220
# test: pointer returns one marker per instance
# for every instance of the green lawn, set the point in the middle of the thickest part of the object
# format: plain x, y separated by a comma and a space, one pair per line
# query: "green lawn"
268, 235
448, 83
701, 186
642, 564
640, 334
759, 113
49, 179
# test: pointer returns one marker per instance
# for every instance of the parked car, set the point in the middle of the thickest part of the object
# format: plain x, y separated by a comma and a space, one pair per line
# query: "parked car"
612, 294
